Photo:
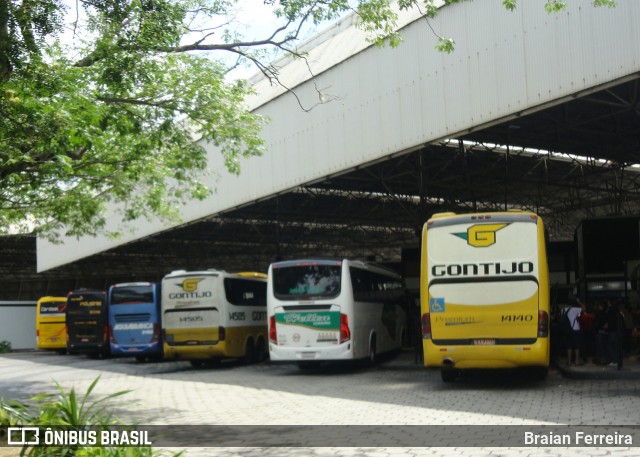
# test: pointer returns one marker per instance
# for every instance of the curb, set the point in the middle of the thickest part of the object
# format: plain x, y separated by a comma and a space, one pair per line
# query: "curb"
598, 372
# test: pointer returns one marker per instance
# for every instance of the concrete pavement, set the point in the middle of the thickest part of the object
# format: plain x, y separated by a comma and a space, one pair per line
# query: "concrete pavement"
397, 392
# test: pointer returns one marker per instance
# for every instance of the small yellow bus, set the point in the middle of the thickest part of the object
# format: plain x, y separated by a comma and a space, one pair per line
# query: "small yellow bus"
484, 291
211, 315
50, 324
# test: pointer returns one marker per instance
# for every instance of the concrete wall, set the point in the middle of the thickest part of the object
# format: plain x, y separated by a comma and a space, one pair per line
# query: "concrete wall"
18, 324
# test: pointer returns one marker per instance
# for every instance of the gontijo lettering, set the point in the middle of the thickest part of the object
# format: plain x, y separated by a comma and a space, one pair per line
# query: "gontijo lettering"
482, 269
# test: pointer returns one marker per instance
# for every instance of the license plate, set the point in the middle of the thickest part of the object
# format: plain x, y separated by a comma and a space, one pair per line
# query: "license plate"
308, 355
484, 342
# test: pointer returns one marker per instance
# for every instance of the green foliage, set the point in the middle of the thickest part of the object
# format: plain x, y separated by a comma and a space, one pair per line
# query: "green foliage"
112, 117
553, 6
509, 4
67, 409
5, 346
445, 45
607, 3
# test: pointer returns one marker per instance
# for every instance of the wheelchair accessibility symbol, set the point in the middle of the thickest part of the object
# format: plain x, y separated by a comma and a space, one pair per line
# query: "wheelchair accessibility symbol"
436, 305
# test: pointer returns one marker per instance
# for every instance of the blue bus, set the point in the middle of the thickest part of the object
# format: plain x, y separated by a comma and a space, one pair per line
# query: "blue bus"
134, 320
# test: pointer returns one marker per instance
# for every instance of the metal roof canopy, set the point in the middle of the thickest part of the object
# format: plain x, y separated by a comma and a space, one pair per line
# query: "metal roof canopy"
569, 160
377, 209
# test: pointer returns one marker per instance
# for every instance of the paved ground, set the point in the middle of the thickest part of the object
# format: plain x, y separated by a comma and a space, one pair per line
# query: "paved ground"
396, 393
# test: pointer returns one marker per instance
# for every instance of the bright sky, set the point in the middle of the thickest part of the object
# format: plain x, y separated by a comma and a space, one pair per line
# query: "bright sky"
254, 19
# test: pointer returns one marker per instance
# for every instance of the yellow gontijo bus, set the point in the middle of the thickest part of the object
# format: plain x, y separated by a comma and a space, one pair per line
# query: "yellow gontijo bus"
484, 292
211, 315
50, 324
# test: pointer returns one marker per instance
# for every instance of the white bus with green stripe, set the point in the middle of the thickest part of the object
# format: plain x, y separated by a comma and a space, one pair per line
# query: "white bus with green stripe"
331, 310
211, 315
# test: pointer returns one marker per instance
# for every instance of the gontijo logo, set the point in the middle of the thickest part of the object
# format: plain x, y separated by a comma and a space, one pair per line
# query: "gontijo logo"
481, 235
190, 285
190, 288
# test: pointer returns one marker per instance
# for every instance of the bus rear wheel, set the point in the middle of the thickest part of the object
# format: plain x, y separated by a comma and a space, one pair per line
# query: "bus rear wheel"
249, 352
539, 373
260, 354
448, 374
373, 355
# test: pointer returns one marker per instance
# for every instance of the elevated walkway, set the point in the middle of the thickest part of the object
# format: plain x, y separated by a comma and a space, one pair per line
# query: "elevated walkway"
366, 105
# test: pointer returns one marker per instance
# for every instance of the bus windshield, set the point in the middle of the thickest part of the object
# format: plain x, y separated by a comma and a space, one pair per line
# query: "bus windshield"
307, 280
131, 295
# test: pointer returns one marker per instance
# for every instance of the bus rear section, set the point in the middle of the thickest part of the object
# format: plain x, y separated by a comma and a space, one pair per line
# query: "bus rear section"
134, 320
306, 324
50, 324
485, 293
333, 310
212, 315
87, 322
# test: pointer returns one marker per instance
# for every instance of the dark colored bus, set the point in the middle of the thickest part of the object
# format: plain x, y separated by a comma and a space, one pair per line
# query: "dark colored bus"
87, 323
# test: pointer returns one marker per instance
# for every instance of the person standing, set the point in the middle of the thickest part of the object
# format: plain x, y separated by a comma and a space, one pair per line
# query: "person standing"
599, 334
614, 324
574, 343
